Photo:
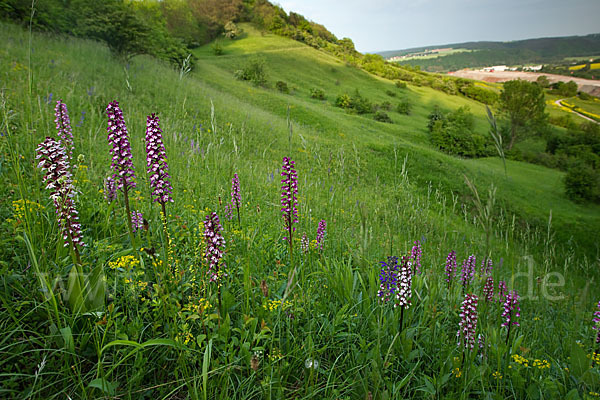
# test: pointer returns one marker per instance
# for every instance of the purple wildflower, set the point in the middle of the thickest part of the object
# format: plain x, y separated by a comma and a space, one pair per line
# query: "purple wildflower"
156, 161
321, 229
137, 220
215, 247
488, 289
450, 267
388, 280
304, 243
289, 201
63, 127
54, 162
415, 257
228, 215
596, 321
468, 324
122, 162
236, 197
110, 189
467, 272
511, 311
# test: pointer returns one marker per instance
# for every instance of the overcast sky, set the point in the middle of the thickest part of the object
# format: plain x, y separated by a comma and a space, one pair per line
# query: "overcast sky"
376, 25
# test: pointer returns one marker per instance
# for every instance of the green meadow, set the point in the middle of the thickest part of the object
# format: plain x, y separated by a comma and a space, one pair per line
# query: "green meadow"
285, 321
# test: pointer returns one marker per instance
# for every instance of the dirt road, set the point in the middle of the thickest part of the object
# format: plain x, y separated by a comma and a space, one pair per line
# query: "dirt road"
585, 85
559, 103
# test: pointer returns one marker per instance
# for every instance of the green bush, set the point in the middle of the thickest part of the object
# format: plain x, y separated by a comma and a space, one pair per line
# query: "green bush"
401, 85
390, 93
385, 105
282, 87
454, 134
355, 103
404, 107
317, 93
217, 48
480, 94
582, 183
382, 116
584, 96
254, 71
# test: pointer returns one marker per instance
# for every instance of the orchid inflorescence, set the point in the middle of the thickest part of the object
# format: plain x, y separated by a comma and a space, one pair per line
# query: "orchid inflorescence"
122, 162
468, 323
156, 162
215, 247
53, 161
289, 200
321, 229
63, 127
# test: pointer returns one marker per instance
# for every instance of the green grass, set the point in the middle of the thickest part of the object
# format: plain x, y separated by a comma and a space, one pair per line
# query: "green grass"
161, 332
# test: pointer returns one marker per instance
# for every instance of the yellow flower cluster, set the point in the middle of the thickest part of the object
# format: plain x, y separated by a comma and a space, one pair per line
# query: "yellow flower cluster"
497, 375
594, 394
275, 354
184, 338
595, 357
201, 306
273, 305
19, 208
541, 364
457, 372
124, 262
520, 360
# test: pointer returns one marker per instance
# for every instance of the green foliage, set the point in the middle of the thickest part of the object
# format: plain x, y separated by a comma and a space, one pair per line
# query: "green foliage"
390, 93
585, 96
254, 70
543, 81
231, 30
568, 89
404, 107
382, 116
524, 106
355, 104
480, 94
582, 183
217, 48
317, 93
282, 86
384, 105
453, 133
401, 85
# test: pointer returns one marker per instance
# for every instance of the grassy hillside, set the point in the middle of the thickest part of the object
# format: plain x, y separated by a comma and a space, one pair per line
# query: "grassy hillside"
165, 331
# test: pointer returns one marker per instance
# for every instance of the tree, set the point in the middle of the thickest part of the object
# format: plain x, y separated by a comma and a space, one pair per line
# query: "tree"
524, 104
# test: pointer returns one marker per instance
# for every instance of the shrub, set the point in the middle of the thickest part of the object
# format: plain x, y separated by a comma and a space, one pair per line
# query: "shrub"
254, 71
386, 105
390, 93
382, 116
480, 94
582, 183
434, 116
282, 87
404, 107
356, 104
401, 85
343, 101
317, 93
584, 96
217, 48
454, 134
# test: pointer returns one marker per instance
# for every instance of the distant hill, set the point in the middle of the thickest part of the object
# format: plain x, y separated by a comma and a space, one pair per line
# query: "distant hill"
543, 50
